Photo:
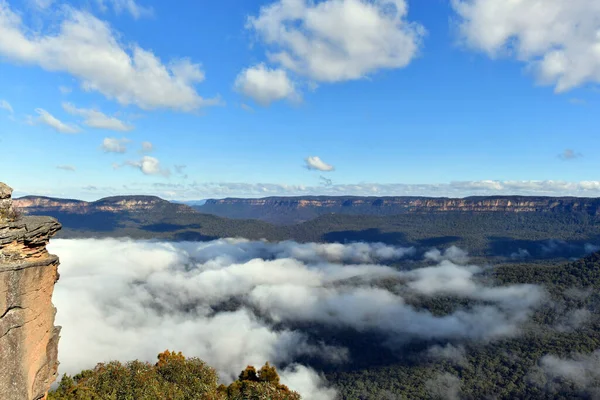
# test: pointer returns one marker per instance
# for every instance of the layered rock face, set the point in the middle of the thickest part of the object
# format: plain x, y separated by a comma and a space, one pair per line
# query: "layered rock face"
400, 205
298, 209
28, 337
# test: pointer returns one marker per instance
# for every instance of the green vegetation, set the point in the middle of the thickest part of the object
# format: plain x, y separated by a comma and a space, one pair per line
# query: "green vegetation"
505, 369
519, 248
488, 235
173, 377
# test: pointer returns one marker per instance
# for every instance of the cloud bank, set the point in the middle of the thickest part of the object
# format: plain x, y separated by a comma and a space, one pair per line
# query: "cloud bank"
328, 41
234, 302
332, 41
453, 189
126, 73
557, 39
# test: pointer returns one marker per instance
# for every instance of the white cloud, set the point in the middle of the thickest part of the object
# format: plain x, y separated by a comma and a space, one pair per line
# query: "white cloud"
206, 190
315, 163
116, 291
452, 253
338, 40
65, 89
113, 145
5, 105
215, 190
265, 85
69, 168
48, 119
97, 119
137, 11
557, 39
127, 73
149, 166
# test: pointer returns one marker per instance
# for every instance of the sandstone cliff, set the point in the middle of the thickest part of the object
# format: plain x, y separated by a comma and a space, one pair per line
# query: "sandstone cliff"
289, 210
28, 337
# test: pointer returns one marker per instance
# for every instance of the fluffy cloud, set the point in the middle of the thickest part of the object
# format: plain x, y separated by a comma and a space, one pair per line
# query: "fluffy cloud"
137, 11
338, 40
452, 253
69, 168
5, 105
113, 145
173, 295
315, 163
97, 119
149, 166
557, 39
127, 73
265, 85
48, 119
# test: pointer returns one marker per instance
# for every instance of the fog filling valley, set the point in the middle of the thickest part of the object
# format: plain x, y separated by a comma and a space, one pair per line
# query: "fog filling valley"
235, 302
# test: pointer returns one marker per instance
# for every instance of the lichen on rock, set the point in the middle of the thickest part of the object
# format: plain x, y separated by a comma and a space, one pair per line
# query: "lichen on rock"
28, 337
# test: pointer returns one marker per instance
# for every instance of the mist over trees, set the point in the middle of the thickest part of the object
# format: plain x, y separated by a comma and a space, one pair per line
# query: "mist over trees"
348, 321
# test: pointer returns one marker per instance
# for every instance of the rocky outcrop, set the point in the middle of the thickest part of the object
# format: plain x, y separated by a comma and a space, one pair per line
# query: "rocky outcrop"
28, 337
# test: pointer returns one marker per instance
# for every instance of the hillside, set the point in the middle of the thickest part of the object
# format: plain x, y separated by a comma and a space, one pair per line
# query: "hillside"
541, 234
140, 217
290, 210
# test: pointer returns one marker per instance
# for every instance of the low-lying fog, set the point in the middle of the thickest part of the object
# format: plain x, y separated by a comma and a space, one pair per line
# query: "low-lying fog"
236, 302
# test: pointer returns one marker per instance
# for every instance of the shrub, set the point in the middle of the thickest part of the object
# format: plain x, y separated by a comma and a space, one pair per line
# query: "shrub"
173, 377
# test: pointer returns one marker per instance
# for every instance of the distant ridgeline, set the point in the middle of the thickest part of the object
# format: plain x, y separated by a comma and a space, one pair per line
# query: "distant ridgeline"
288, 210
514, 227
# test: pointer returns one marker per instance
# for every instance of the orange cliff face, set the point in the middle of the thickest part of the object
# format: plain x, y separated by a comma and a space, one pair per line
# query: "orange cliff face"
423, 204
28, 337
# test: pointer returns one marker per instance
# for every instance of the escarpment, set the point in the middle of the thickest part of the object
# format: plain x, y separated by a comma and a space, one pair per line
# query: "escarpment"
28, 337
289, 210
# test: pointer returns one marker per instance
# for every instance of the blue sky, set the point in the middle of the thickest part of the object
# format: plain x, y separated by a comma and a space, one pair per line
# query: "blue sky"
291, 97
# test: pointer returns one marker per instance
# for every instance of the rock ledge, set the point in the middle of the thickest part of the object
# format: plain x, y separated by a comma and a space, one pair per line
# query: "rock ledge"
28, 337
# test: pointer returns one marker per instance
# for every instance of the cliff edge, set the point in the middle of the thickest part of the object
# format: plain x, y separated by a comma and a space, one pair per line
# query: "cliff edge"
28, 337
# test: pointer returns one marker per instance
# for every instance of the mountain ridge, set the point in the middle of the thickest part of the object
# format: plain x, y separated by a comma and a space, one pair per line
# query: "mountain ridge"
292, 210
